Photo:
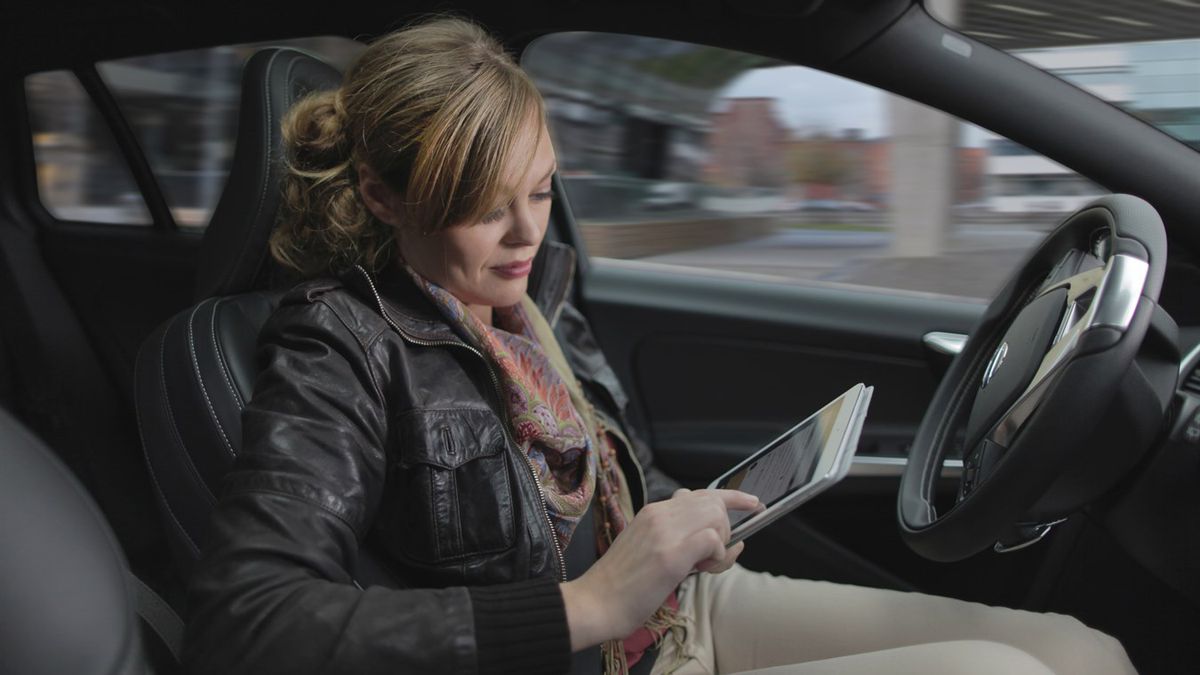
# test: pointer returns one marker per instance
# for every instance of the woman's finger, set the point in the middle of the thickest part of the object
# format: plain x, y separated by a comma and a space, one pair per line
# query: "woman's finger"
705, 546
730, 557
736, 500
720, 518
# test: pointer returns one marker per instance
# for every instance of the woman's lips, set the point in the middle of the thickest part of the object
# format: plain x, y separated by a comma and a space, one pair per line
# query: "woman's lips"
515, 270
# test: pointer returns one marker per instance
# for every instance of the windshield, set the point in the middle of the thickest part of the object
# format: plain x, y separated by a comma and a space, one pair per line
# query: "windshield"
1142, 56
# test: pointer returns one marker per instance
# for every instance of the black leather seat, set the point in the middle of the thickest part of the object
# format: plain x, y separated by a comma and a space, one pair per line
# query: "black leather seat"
66, 597
196, 372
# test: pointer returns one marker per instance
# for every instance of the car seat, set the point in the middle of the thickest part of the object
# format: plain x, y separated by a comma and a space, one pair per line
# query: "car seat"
195, 373
68, 602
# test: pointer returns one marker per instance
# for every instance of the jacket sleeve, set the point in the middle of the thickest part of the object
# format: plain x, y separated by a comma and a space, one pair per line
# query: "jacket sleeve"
273, 592
588, 362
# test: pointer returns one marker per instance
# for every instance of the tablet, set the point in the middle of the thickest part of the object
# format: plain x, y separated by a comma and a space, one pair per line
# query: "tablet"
803, 462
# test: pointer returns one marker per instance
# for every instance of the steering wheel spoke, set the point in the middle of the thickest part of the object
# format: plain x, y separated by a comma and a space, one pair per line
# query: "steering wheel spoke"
1099, 297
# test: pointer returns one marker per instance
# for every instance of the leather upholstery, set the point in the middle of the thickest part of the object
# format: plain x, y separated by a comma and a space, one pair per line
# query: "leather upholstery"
196, 372
233, 255
65, 603
194, 375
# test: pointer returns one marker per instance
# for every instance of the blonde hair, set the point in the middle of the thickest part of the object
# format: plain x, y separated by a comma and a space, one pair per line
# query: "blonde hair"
436, 110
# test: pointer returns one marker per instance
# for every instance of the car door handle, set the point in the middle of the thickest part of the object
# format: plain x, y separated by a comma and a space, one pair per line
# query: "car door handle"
941, 348
948, 344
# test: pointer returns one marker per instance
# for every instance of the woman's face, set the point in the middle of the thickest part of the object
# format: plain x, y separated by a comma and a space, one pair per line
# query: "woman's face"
486, 264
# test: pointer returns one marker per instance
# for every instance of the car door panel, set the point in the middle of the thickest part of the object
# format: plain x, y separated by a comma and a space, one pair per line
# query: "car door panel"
718, 365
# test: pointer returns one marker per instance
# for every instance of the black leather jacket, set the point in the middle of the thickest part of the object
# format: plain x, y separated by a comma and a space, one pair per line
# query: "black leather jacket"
375, 432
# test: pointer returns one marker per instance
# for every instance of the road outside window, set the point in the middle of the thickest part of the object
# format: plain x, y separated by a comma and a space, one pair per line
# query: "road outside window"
182, 107
709, 159
81, 175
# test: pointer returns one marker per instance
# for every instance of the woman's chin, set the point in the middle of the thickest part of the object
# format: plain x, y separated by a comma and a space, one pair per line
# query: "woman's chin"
506, 294
510, 300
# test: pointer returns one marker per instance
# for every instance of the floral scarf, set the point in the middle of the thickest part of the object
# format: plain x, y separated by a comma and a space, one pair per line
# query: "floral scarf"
571, 453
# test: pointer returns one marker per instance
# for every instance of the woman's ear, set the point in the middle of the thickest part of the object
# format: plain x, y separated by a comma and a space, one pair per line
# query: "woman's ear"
382, 200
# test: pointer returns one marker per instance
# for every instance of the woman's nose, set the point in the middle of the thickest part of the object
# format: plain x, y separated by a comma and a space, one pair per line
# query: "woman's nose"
525, 229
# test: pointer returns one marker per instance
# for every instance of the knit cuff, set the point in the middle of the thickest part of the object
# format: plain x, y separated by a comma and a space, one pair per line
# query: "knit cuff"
521, 627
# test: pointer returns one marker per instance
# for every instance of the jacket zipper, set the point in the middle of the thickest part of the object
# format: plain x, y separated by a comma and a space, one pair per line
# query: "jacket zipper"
562, 565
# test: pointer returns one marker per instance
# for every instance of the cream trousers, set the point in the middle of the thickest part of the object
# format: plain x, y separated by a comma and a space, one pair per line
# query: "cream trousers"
748, 622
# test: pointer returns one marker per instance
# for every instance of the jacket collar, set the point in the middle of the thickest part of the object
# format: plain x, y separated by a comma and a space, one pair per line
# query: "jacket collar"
415, 315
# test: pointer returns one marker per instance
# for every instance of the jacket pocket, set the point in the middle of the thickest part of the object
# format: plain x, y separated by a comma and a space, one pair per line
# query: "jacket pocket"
452, 486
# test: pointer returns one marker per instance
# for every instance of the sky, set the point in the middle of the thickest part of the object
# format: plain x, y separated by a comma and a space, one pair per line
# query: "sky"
811, 100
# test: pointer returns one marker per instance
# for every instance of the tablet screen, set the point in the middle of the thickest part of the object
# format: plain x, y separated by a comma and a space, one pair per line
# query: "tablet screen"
787, 464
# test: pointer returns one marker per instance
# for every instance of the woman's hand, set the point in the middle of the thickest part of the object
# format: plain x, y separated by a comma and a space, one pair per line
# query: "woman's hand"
663, 543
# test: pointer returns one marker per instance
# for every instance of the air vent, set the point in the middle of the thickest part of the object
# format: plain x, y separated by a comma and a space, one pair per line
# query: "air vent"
1191, 383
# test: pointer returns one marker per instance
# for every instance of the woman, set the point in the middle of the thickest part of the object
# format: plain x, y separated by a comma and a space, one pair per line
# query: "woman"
417, 406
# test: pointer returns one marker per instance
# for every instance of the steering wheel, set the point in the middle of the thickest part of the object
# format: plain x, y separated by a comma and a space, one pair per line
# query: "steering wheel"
1030, 399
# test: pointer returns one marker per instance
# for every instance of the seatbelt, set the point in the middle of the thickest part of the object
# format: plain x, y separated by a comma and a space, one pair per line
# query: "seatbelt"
158, 616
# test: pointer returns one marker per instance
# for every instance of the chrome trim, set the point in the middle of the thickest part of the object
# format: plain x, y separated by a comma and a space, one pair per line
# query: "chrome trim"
1118, 286
1041, 532
994, 364
1070, 318
893, 467
1188, 360
1117, 297
1006, 428
950, 344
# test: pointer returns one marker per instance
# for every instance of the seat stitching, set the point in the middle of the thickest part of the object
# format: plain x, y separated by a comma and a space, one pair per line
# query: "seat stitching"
266, 167
237, 396
188, 464
200, 380
187, 536
271, 131
191, 466
162, 495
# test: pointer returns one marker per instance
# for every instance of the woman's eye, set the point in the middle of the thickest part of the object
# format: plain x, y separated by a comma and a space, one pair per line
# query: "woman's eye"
542, 196
493, 216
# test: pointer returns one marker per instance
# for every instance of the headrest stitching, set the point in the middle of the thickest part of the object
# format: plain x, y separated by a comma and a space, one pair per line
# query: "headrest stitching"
270, 133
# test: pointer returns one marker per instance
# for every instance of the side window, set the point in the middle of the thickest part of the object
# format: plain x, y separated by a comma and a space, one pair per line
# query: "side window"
81, 174
182, 108
679, 154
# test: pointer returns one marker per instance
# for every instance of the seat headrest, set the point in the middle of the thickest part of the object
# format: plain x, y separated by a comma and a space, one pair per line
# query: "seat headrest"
64, 600
233, 255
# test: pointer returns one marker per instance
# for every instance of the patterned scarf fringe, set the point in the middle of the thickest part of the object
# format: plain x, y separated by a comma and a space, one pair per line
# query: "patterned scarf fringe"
667, 624
614, 658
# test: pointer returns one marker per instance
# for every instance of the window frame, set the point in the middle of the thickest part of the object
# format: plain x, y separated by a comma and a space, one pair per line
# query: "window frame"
108, 105
127, 146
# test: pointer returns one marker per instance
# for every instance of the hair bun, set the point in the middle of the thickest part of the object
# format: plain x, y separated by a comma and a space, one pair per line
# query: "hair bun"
315, 134
439, 110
